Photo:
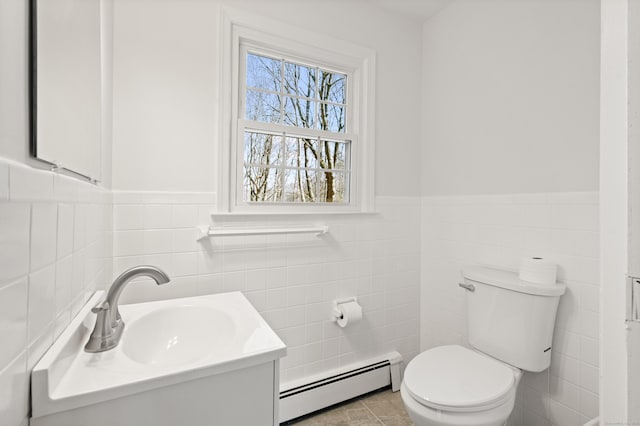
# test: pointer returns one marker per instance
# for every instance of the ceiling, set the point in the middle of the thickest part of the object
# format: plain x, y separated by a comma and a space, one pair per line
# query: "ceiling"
415, 10
418, 10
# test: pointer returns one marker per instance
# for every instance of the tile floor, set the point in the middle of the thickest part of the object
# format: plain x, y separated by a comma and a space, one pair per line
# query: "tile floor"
377, 408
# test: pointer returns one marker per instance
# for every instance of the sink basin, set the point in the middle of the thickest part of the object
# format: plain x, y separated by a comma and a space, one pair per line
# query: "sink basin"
177, 335
166, 344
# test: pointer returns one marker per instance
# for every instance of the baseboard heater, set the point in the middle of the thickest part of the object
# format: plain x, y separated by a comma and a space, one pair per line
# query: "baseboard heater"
299, 399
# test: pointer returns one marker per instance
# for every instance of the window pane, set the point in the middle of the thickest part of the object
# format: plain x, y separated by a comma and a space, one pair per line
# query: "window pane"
300, 186
263, 107
332, 87
299, 80
332, 187
333, 155
302, 152
292, 157
299, 112
263, 73
310, 153
290, 168
263, 149
332, 118
262, 184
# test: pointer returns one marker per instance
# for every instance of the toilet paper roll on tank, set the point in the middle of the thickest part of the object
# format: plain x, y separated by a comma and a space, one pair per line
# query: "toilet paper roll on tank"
538, 270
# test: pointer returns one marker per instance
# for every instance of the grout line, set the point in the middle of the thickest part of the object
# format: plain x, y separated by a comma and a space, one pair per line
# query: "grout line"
372, 413
369, 410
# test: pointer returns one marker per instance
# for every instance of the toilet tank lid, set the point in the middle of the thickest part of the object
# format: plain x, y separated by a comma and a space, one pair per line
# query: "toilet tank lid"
510, 281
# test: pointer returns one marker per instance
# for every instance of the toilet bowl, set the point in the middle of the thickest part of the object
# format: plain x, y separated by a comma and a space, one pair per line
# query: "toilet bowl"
510, 328
454, 385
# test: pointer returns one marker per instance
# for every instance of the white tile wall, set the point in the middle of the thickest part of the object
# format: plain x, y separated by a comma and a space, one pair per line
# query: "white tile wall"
55, 250
56, 247
498, 230
290, 279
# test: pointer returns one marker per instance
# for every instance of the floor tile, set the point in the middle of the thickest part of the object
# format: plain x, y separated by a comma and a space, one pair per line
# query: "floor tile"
377, 408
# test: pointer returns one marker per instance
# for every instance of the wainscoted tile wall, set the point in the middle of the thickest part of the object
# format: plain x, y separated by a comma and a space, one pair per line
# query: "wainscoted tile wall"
290, 279
498, 231
55, 246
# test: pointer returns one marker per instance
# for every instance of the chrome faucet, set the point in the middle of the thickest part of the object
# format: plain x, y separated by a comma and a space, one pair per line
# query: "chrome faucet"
109, 325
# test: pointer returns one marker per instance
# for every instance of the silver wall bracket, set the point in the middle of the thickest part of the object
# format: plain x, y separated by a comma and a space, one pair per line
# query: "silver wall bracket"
633, 299
468, 287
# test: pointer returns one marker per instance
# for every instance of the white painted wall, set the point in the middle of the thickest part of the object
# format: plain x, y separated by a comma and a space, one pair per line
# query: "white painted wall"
165, 107
510, 130
166, 95
633, 341
14, 102
510, 97
614, 219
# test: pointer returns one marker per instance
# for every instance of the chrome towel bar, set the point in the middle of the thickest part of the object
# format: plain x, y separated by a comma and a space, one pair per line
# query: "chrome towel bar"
205, 232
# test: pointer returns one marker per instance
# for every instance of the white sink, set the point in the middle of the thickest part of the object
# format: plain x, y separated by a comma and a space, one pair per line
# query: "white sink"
164, 343
177, 335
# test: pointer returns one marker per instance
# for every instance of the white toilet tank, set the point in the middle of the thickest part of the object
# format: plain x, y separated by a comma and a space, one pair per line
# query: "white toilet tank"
510, 319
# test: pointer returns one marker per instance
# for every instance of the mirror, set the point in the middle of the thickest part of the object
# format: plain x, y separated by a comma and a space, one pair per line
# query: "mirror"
66, 83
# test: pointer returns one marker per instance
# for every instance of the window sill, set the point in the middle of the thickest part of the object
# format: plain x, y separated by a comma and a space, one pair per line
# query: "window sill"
223, 215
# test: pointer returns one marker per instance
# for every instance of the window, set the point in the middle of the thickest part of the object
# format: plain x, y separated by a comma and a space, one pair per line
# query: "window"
294, 132
301, 138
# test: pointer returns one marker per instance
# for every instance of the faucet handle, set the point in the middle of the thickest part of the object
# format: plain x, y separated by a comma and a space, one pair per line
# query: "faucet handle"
102, 306
102, 335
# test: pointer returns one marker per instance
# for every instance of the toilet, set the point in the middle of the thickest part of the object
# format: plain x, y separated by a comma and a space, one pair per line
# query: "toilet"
510, 330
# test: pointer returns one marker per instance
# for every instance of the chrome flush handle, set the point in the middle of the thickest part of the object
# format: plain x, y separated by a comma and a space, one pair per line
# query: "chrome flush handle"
633, 299
468, 287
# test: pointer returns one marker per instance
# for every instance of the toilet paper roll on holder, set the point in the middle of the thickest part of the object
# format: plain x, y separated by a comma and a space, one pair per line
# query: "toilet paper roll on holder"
337, 314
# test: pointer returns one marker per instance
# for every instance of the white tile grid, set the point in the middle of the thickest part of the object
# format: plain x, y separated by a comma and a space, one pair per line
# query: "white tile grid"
290, 279
50, 263
499, 231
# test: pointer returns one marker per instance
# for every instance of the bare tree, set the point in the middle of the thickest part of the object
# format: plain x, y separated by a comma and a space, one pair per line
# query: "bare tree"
305, 97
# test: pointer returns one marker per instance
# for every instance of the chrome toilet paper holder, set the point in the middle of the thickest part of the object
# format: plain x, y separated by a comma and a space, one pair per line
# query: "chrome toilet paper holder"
337, 314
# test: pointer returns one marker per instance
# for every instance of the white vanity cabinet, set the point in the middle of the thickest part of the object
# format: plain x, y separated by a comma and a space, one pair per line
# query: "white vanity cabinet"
248, 396
235, 381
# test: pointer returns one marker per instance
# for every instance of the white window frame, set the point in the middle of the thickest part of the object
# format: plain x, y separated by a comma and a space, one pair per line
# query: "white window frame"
241, 31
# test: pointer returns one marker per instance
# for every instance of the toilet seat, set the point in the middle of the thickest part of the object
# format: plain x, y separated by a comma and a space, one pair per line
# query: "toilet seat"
454, 378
